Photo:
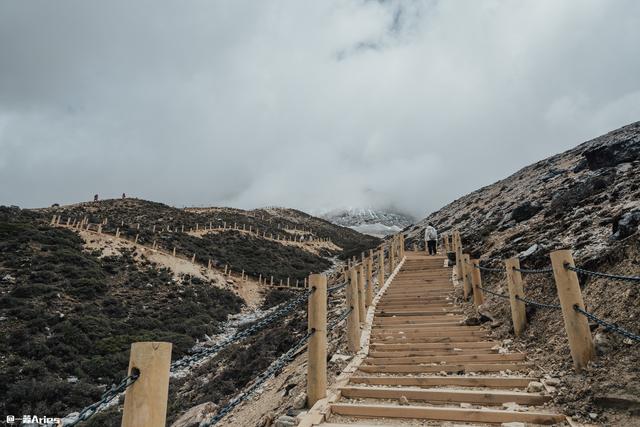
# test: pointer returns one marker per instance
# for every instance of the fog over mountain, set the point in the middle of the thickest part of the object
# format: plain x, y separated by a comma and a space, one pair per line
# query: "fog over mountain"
306, 104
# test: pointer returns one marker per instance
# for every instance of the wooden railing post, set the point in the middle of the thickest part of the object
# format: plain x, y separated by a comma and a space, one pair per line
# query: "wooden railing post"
145, 402
317, 349
361, 294
476, 282
369, 279
458, 246
514, 282
392, 258
466, 275
381, 268
576, 325
353, 320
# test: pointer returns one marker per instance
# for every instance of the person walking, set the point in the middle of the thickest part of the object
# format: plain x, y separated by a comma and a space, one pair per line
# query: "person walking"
431, 238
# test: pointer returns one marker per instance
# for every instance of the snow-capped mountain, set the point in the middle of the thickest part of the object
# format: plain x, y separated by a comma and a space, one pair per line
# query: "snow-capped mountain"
374, 222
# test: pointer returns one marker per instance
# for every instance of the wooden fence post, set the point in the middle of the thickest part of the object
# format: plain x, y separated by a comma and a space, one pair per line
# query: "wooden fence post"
361, 294
476, 282
145, 402
392, 258
514, 281
466, 275
576, 325
458, 240
317, 349
370, 279
381, 267
353, 320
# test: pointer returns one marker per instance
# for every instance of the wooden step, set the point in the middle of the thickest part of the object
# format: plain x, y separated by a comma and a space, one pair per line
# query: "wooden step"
450, 380
451, 367
485, 397
430, 346
445, 414
419, 353
448, 359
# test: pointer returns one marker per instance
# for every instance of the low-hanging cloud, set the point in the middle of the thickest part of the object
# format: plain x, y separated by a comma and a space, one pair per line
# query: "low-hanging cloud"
307, 104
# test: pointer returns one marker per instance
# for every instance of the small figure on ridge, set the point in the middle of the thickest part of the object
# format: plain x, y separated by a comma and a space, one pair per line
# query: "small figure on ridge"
431, 238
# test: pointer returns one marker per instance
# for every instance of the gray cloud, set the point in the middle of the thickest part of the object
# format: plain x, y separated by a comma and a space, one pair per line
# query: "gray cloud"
302, 103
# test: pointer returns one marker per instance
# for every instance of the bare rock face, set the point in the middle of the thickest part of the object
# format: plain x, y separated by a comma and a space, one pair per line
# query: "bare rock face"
195, 415
626, 225
614, 153
578, 193
525, 211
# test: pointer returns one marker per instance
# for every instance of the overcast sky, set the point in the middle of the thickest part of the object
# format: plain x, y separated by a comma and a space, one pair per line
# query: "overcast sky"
308, 104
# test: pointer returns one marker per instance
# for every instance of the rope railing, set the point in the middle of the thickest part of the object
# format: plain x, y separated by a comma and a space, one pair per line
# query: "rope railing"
534, 270
538, 304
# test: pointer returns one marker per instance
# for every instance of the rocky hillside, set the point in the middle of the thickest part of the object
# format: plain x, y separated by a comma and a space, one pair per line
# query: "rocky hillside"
374, 222
586, 199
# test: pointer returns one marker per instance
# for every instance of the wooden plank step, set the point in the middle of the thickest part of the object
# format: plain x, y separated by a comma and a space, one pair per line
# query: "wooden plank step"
431, 346
419, 353
452, 358
392, 339
455, 381
445, 414
419, 319
452, 323
428, 334
484, 397
457, 367
426, 328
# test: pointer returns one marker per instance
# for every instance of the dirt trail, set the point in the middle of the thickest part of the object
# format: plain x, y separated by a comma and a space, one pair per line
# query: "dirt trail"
249, 289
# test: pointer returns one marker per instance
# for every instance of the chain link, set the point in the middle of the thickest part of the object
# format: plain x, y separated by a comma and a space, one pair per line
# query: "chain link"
246, 394
107, 397
495, 293
606, 275
336, 288
266, 321
534, 271
495, 270
340, 318
608, 326
538, 304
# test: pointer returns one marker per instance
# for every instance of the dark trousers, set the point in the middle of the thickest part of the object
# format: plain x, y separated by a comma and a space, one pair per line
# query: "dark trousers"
431, 246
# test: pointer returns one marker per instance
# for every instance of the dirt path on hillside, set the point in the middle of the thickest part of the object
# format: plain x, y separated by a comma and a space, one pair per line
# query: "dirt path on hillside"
249, 290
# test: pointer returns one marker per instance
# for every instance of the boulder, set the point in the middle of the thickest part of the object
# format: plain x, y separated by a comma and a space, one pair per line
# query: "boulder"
195, 415
525, 211
576, 194
286, 421
535, 387
626, 224
613, 153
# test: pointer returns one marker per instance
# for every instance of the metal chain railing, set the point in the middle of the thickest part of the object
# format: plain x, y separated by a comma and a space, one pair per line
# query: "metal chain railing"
608, 326
635, 279
336, 287
534, 270
266, 321
246, 394
495, 293
493, 269
538, 304
340, 318
107, 397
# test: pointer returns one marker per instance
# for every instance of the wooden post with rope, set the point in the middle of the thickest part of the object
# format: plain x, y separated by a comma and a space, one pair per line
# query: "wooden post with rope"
466, 275
317, 349
145, 401
381, 267
576, 325
514, 281
370, 278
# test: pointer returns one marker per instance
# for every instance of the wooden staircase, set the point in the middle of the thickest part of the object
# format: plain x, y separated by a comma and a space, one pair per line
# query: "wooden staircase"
426, 368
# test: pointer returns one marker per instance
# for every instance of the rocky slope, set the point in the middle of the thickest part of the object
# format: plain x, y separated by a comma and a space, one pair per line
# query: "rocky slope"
374, 222
586, 199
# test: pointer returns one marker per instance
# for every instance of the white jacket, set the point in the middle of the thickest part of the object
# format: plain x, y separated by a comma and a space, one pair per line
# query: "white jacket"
430, 233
